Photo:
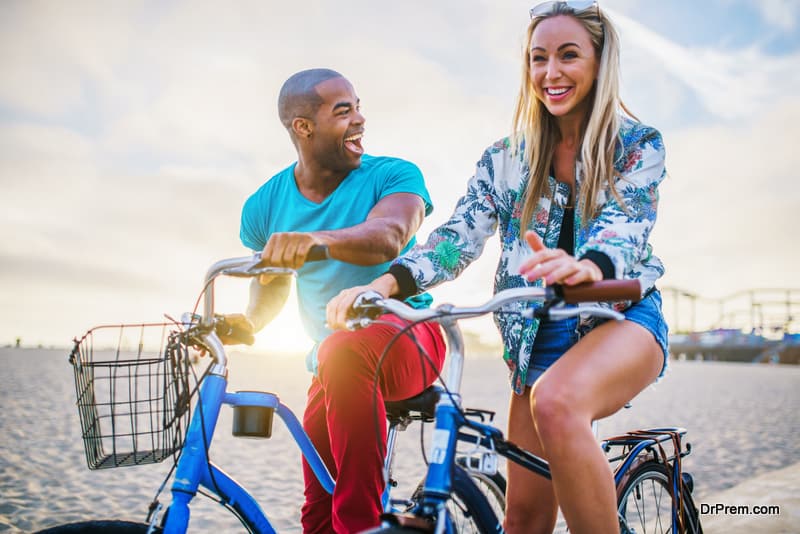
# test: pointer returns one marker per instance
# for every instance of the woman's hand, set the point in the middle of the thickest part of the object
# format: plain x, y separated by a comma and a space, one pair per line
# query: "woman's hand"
556, 266
339, 308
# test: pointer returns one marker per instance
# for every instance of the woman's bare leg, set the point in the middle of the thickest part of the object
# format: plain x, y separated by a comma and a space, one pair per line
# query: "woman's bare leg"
594, 379
531, 506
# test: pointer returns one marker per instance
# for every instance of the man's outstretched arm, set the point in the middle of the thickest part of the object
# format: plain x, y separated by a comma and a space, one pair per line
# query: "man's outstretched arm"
267, 298
389, 226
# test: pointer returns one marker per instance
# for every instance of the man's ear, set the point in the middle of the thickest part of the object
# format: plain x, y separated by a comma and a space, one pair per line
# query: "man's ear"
302, 127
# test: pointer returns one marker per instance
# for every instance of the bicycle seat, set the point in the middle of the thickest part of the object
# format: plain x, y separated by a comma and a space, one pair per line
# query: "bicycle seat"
420, 406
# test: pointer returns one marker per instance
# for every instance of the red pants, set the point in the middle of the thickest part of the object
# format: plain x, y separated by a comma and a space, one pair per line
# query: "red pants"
340, 418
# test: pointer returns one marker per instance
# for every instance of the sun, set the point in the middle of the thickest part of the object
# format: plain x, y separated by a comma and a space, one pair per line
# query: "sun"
285, 334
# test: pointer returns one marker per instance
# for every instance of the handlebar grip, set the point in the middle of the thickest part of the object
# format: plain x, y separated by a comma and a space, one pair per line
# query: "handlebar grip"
233, 334
604, 290
315, 253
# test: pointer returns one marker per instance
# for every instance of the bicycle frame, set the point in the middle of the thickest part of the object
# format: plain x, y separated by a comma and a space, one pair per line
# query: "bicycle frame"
194, 468
450, 418
637, 446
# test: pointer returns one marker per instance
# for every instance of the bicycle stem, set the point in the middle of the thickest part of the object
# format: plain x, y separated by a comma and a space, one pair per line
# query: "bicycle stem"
215, 270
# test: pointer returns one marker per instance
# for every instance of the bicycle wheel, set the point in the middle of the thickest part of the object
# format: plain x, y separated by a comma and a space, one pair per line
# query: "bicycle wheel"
392, 530
493, 488
99, 527
470, 509
645, 503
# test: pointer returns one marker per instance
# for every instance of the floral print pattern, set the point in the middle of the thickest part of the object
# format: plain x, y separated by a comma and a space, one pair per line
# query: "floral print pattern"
492, 203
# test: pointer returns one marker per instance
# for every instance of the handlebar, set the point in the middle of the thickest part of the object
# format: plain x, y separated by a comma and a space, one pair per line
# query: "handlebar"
604, 290
241, 267
248, 267
368, 303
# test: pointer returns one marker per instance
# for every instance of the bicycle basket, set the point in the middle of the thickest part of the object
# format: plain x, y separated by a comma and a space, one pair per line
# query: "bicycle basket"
133, 401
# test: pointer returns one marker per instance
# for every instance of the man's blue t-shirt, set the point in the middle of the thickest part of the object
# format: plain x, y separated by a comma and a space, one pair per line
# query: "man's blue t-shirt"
278, 206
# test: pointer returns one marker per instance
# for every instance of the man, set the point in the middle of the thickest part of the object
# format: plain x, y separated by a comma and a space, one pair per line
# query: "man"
365, 210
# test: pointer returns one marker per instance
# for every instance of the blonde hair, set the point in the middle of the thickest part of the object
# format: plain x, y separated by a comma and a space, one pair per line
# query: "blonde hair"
536, 131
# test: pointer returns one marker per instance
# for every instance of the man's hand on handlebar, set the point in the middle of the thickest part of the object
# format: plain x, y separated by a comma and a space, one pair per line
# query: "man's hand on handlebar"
339, 308
235, 329
289, 249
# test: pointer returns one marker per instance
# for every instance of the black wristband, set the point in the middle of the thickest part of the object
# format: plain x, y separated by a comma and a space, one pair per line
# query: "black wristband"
603, 262
405, 281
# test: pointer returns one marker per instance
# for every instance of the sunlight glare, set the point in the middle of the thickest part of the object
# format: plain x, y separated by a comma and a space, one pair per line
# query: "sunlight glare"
285, 334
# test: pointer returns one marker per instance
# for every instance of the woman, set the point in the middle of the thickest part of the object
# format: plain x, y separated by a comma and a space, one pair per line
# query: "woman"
581, 177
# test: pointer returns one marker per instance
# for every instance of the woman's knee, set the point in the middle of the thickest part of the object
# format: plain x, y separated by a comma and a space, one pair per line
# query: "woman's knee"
556, 412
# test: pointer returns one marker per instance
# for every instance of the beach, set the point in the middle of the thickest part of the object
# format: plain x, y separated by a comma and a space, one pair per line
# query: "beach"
742, 420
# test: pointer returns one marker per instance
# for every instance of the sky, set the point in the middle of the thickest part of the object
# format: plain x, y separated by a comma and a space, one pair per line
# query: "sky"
132, 132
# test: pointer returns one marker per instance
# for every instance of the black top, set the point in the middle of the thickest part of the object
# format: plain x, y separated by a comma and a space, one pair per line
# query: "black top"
566, 239
566, 242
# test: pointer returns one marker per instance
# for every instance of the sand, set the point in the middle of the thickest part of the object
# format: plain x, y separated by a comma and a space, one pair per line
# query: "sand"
777, 490
742, 422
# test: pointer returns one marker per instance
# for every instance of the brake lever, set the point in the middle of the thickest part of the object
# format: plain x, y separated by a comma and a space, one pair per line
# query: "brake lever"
255, 268
365, 308
367, 300
357, 324
558, 313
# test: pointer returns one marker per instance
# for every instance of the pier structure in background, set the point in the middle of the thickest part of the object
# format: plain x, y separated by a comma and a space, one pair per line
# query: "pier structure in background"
754, 325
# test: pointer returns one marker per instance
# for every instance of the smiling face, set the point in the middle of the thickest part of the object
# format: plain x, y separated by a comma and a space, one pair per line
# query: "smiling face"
338, 126
563, 66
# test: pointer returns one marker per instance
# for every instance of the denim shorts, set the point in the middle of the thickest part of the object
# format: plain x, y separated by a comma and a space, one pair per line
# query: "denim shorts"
554, 338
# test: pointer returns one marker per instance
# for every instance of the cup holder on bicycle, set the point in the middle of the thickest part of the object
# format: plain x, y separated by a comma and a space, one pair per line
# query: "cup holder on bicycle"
252, 421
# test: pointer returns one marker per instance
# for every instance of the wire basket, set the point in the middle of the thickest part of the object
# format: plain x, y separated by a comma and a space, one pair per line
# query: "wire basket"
133, 400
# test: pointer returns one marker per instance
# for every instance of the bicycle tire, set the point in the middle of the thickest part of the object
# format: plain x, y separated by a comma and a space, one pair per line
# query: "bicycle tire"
394, 529
493, 488
645, 504
99, 527
469, 508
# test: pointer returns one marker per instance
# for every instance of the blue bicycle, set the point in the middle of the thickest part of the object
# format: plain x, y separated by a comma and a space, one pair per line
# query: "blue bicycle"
141, 405
654, 493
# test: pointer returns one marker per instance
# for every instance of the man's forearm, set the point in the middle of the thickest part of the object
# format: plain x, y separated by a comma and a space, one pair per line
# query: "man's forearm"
370, 243
267, 300
391, 224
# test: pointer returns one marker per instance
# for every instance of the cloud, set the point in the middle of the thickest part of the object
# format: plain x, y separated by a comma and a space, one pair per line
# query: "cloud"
728, 212
132, 133
69, 44
731, 84
780, 13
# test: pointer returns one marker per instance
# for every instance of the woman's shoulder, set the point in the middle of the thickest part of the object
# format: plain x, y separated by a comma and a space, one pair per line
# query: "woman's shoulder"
637, 135
503, 162
638, 146
503, 150
500, 146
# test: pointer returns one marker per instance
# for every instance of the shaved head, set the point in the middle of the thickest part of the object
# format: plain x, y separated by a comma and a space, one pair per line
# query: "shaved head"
298, 98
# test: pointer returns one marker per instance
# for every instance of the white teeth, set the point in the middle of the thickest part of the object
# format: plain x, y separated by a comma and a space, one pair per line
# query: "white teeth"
354, 137
561, 91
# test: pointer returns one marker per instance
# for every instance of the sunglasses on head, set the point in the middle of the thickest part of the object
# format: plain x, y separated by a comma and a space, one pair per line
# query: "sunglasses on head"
576, 6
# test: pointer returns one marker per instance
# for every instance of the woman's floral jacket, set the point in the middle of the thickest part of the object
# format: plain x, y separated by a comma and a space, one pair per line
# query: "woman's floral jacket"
494, 201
